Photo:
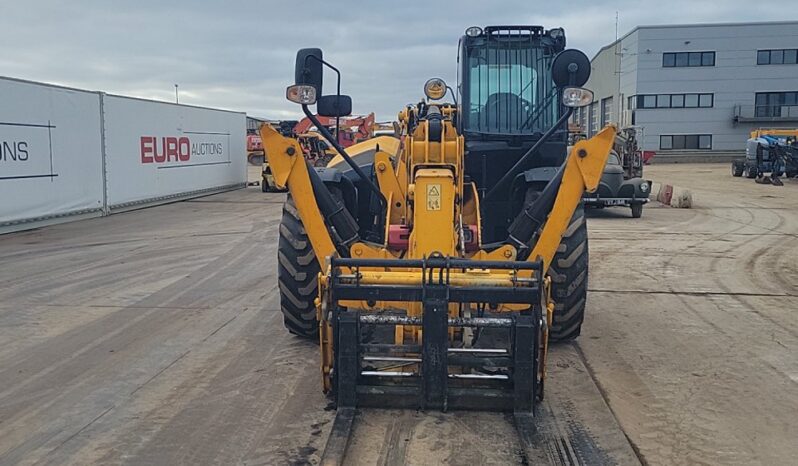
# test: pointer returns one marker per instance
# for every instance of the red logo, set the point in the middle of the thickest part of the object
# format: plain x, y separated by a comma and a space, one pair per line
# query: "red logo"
165, 149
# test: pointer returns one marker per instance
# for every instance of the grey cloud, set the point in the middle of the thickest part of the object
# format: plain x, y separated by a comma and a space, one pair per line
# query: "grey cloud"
239, 54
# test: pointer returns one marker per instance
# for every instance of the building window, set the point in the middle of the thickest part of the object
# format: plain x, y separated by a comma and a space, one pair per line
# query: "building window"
681, 59
582, 119
771, 104
594, 118
675, 101
685, 141
777, 57
632, 102
606, 111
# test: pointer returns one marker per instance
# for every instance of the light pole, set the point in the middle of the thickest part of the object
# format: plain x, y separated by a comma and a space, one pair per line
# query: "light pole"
176, 101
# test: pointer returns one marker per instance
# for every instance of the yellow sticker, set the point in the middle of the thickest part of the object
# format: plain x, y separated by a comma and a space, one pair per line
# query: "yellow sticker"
433, 197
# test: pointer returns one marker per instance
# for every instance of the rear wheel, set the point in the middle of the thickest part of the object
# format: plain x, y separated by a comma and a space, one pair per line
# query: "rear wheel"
568, 273
297, 273
751, 172
737, 169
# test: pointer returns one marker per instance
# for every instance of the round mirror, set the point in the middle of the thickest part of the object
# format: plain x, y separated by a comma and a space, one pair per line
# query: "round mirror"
571, 67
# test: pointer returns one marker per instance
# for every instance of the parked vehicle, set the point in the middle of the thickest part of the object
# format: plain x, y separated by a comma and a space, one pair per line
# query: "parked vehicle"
614, 190
622, 183
769, 154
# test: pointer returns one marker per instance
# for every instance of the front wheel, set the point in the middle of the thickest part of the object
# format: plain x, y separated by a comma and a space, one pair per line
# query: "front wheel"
568, 273
637, 210
297, 274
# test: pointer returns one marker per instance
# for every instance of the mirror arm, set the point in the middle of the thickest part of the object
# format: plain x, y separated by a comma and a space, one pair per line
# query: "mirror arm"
514, 171
337, 91
329, 137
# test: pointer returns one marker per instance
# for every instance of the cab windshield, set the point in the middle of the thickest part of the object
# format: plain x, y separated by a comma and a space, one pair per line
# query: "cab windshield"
509, 89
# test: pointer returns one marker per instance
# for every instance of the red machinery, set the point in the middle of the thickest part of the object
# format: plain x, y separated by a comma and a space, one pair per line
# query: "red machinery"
255, 154
353, 129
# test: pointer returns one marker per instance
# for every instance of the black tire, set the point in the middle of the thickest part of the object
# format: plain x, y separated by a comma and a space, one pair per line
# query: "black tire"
264, 185
737, 169
568, 272
751, 172
637, 210
297, 274
255, 159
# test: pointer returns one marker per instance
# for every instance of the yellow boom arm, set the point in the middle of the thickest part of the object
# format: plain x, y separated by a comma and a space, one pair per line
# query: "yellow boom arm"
582, 173
289, 169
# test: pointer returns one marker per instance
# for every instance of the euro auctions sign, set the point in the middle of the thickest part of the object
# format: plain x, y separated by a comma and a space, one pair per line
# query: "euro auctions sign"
26, 150
191, 150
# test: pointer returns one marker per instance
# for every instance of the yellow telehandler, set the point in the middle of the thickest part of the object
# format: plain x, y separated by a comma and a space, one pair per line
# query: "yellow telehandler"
435, 267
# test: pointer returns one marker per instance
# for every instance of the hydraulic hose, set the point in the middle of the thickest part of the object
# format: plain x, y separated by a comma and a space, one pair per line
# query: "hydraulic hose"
514, 170
345, 228
372, 186
532, 217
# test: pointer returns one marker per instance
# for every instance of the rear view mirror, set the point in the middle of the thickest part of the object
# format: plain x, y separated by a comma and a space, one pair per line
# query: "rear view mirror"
571, 67
334, 105
308, 68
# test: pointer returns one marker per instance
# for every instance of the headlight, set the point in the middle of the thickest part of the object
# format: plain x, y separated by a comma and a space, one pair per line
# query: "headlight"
301, 94
474, 31
576, 97
644, 186
435, 88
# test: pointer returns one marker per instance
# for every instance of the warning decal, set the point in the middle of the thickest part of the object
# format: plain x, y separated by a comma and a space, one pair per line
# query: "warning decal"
434, 197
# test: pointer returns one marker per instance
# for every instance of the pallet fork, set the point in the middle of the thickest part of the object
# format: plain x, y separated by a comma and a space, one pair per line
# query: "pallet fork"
434, 375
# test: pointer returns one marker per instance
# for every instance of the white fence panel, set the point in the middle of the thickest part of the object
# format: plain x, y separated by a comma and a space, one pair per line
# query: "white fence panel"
156, 150
50, 152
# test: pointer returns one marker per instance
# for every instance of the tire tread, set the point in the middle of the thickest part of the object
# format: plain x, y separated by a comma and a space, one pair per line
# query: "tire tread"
569, 272
297, 274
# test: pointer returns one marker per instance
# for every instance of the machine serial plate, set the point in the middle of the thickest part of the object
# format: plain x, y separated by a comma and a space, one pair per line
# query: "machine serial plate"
434, 197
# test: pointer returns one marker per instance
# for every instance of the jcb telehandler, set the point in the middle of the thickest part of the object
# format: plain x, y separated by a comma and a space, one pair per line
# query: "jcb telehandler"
435, 268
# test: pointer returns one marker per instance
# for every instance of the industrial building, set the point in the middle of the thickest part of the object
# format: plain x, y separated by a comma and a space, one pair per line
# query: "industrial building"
698, 88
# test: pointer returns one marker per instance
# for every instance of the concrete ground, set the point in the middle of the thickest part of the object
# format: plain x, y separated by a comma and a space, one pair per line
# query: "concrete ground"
154, 337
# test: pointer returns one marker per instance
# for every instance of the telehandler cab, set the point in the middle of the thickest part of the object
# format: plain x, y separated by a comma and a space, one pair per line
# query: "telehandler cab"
435, 267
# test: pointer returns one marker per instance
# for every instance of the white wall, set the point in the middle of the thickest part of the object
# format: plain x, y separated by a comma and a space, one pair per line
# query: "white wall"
156, 150
67, 153
50, 152
734, 80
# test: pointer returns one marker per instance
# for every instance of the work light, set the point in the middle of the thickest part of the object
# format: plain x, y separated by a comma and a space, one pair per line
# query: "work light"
435, 88
474, 31
301, 94
576, 97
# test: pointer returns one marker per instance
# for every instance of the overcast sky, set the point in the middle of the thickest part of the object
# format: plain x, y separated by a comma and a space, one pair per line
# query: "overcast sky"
239, 54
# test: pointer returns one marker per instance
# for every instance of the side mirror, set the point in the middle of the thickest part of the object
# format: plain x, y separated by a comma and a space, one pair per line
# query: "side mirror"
308, 69
571, 67
334, 105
